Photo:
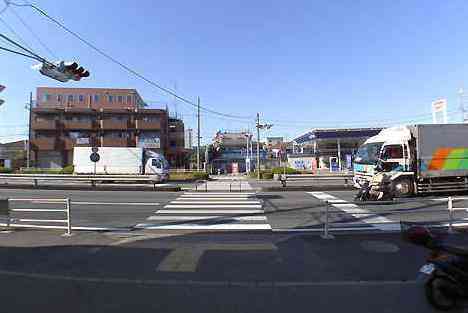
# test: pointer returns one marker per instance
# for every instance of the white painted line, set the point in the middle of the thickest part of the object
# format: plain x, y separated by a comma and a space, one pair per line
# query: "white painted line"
214, 206
193, 211
215, 202
213, 199
221, 193
38, 210
221, 226
40, 221
206, 217
115, 203
364, 215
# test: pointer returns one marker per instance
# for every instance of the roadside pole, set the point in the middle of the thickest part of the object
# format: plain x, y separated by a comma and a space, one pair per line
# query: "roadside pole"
28, 147
258, 145
198, 134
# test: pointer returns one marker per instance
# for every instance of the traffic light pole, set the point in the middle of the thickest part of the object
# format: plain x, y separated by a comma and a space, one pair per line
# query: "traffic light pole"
198, 133
258, 145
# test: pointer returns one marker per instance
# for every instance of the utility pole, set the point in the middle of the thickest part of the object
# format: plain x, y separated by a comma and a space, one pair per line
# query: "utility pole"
258, 145
462, 105
260, 126
198, 134
28, 151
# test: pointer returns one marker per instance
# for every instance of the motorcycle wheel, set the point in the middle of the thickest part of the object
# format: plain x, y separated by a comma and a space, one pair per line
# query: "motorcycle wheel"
436, 295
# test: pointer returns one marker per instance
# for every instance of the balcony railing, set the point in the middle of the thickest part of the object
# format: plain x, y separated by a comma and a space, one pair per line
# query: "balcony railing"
114, 124
44, 143
44, 125
148, 125
115, 142
86, 125
70, 143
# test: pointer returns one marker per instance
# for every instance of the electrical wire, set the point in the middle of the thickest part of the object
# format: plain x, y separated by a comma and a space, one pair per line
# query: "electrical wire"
33, 33
15, 33
19, 53
122, 65
5, 8
39, 58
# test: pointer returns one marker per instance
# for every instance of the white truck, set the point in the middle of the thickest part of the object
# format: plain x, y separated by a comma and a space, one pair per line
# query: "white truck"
419, 158
121, 161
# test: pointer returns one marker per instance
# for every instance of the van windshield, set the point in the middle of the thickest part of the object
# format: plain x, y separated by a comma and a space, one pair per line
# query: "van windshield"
368, 153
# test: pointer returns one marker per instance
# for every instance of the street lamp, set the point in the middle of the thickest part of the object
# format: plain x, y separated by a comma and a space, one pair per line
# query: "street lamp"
260, 126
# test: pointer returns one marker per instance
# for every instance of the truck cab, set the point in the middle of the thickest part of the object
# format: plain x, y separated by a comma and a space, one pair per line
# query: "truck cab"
157, 165
366, 160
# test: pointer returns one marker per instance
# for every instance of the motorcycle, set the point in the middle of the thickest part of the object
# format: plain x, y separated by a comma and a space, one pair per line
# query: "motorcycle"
445, 275
380, 188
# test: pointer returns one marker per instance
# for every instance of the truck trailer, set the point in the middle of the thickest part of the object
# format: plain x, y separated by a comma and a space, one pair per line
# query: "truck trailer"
121, 161
422, 158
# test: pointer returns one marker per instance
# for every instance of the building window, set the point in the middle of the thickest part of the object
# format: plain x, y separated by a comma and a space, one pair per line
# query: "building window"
70, 98
111, 98
81, 98
129, 99
120, 98
46, 97
59, 98
96, 98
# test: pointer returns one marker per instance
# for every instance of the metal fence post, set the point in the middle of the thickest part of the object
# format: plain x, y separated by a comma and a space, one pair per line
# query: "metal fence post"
240, 185
206, 186
450, 212
326, 234
69, 227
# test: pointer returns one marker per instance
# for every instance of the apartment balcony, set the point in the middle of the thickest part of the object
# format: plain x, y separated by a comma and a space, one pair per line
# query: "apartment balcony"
70, 143
110, 124
148, 125
44, 143
78, 125
115, 142
44, 125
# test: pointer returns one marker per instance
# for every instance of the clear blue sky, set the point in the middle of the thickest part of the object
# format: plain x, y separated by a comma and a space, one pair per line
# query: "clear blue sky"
306, 63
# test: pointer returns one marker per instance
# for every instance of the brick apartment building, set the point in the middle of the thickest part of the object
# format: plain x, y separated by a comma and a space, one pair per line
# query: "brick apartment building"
67, 117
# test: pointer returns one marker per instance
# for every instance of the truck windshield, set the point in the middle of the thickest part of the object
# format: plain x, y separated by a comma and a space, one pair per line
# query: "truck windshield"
368, 153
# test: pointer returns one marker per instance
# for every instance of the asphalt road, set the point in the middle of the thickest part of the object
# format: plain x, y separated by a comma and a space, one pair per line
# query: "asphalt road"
283, 211
229, 272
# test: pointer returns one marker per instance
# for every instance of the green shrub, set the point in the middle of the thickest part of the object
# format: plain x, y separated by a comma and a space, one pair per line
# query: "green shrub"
69, 169
264, 174
5, 170
41, 171
201, 175
280, 170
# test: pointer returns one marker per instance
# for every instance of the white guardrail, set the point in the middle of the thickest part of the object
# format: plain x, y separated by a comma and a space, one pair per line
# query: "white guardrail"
92, 179
5, 210
450, 213
314, 177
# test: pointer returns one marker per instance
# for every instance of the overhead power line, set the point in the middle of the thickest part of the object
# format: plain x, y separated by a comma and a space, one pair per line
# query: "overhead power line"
33, 33
122, 65
21, 39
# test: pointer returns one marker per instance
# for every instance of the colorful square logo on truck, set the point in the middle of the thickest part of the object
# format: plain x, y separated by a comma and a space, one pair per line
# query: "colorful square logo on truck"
449, 159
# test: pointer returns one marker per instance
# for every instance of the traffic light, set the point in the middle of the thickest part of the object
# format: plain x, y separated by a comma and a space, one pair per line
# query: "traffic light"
76, 72
62, 71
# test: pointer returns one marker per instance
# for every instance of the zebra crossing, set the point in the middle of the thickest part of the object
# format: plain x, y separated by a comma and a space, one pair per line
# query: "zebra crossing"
210, 211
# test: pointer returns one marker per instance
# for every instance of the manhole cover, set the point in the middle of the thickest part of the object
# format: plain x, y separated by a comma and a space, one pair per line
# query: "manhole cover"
379, 246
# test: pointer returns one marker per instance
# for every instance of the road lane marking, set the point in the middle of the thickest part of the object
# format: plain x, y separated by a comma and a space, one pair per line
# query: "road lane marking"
218, 226
215, 202
194, 211
217, 217
186, 258
115, 203
352, 209
214, 206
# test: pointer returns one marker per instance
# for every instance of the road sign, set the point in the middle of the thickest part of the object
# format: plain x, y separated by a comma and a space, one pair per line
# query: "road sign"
95, 149
94, 157
439, 111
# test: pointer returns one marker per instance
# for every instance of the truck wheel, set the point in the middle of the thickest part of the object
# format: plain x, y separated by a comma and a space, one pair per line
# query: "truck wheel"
403, 187
437, 295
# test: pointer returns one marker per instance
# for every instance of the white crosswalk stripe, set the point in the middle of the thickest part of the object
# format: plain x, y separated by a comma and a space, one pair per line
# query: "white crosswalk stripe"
210, 211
